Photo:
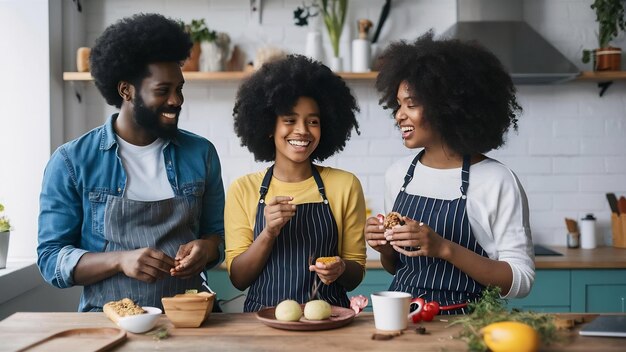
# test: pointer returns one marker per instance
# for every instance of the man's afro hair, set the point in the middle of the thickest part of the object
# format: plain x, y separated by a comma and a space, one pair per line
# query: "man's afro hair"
124, 50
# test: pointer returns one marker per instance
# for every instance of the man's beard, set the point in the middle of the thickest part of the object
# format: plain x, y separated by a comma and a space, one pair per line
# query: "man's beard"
150, 120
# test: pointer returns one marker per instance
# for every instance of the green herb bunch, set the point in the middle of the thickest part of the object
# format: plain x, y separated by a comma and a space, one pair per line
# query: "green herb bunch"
490, 308
5, 225
199, 31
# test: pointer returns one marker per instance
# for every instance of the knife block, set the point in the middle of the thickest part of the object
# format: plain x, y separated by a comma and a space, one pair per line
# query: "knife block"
618, 224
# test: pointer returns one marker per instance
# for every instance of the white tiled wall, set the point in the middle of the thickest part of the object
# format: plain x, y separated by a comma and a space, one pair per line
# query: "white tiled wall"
571, 145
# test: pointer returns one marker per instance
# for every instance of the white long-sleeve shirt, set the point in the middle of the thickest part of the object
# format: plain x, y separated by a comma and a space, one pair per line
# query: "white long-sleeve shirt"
497, 209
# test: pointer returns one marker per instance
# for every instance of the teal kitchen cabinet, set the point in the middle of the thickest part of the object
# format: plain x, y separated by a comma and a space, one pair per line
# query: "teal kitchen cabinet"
550, 293
598, 291
576, 291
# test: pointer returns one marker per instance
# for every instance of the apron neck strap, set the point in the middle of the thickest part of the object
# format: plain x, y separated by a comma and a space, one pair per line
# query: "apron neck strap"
464, 172
268, 178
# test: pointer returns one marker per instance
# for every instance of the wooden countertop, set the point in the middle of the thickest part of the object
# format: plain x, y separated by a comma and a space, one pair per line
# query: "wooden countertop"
597, 258
243, 332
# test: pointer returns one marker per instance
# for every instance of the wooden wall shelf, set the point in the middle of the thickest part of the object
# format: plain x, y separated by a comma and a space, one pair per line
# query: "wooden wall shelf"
603, 79
218, 76
598, 76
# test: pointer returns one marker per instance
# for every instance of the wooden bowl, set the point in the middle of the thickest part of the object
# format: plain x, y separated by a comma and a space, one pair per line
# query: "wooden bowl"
188, 310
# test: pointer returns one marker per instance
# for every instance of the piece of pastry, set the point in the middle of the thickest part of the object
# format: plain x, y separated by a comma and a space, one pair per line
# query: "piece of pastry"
326, 260
117, 309
393, 219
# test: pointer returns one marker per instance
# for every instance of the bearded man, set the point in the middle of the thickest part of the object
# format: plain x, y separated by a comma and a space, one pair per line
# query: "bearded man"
133, 208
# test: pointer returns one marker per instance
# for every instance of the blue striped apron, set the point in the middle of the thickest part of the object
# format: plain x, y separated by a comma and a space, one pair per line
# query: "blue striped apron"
286, 275
131, 224
435, 279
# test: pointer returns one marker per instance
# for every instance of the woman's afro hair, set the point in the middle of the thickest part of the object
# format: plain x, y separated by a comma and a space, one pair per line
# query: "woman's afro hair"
124, 50
274, 90
466, 94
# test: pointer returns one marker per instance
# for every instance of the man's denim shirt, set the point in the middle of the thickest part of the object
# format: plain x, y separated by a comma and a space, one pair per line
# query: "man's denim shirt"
83, 172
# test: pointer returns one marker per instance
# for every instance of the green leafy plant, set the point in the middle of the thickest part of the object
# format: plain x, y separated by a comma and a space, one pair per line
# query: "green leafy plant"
610, 18
5, 225
334, 12
334, 15
490, 308
199, 31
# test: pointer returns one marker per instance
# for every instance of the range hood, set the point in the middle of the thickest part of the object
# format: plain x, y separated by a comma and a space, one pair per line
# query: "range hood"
498, 25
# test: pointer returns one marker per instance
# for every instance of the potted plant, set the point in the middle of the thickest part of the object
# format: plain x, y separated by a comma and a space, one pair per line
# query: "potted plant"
199, 33
5, 230
334, 15
610, 18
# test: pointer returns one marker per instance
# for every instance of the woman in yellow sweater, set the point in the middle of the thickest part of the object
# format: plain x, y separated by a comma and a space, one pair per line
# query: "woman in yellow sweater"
292, 112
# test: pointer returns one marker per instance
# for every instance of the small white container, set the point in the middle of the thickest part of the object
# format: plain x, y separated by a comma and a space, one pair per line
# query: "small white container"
140, 323
588, 232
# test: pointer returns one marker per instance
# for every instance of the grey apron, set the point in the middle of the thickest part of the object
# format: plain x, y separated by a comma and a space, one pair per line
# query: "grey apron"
128, 225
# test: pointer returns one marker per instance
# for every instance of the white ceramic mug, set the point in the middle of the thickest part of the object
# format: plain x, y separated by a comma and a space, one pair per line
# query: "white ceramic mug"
391, 309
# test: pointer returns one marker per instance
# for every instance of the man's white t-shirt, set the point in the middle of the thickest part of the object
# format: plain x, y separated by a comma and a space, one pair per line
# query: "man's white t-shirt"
497, 209
146, 178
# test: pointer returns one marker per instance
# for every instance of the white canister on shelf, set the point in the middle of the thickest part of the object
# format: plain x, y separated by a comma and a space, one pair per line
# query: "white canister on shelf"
588, 232
361, 51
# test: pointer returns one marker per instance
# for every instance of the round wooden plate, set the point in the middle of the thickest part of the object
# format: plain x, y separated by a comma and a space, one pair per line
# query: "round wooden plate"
339, 317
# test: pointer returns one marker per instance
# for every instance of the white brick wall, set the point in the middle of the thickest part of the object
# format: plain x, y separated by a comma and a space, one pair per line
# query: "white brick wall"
571, 144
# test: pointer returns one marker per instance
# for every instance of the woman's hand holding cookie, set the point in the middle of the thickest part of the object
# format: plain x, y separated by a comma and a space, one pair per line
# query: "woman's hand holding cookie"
329, 270
375, 233
414, 239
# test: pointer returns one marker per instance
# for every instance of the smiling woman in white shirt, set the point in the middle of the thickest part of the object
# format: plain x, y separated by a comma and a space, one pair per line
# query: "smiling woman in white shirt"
465, 216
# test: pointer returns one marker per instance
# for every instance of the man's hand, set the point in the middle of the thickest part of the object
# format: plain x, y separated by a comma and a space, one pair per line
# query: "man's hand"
146, 264
192, 257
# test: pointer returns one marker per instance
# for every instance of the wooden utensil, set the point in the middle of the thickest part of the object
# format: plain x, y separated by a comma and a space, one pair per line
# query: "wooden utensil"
572, 225
621, 205
612, 202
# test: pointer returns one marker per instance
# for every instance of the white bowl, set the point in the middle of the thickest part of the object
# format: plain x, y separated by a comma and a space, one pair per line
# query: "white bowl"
140, 323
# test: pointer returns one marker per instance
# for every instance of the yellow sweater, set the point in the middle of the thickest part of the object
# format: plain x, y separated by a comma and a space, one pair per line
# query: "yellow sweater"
344, 194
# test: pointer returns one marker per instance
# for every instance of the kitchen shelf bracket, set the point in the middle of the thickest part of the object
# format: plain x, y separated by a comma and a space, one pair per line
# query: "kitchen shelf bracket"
604, 86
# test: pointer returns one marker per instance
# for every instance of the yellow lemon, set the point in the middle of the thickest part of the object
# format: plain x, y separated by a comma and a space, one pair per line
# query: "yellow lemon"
317, 310
288, 310
510, 336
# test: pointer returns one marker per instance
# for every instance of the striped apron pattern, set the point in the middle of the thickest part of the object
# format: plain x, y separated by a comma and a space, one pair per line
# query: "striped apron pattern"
131, 224
311, 232
435, 279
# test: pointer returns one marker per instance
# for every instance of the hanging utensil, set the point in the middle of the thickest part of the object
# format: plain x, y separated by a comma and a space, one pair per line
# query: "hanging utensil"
381, 20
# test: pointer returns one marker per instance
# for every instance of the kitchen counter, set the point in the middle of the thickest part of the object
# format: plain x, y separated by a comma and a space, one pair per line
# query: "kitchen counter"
578, 258
243, 332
